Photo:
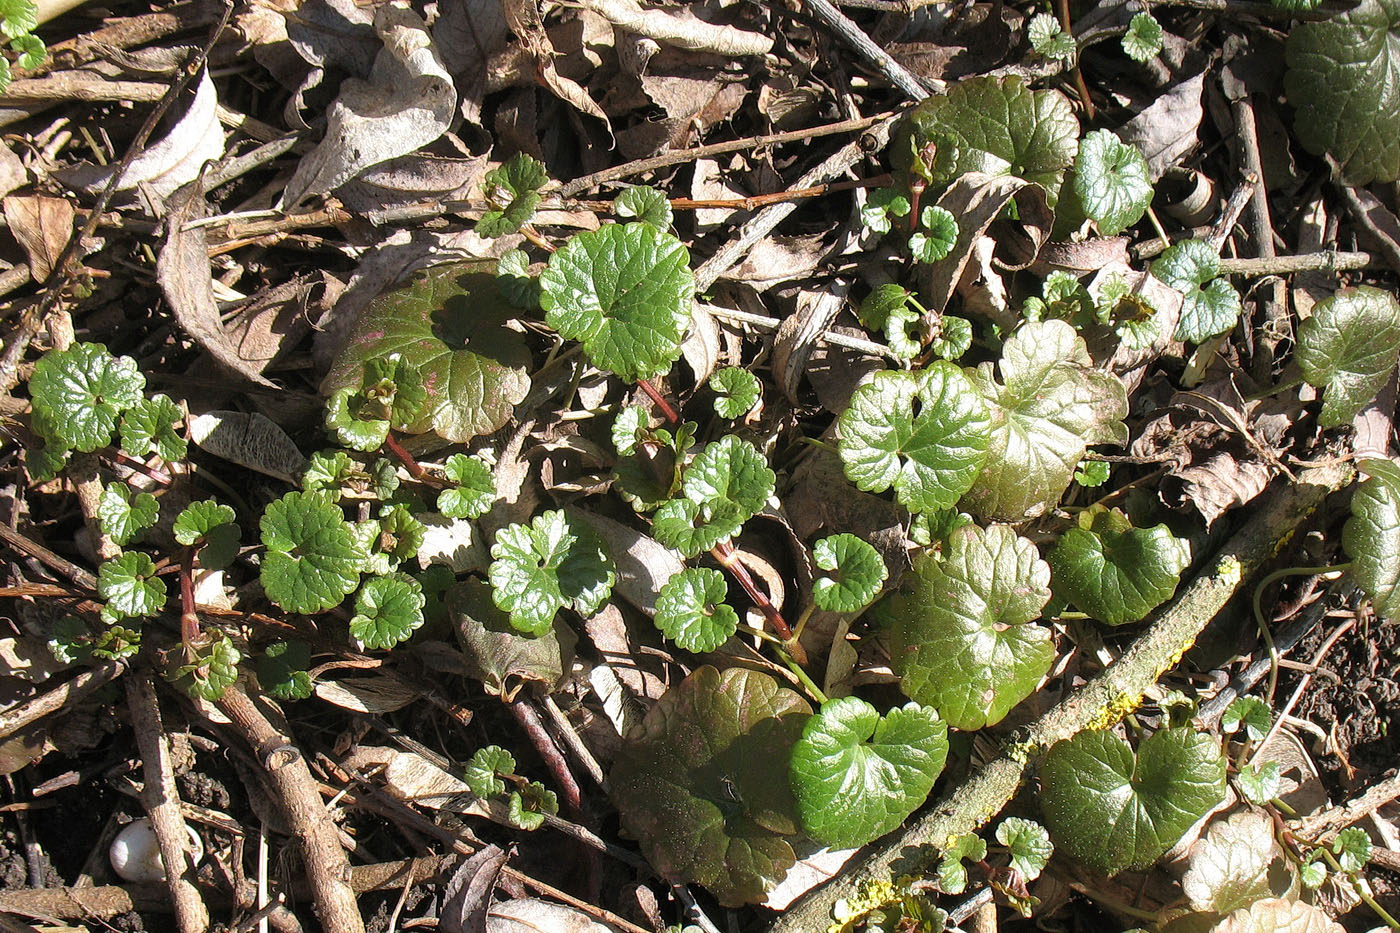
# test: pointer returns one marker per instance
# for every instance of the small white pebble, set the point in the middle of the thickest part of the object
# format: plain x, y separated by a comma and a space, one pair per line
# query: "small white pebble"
135, 854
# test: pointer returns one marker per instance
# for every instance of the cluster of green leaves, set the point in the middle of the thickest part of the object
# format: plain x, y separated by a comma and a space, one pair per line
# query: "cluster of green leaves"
491, 773
18, 20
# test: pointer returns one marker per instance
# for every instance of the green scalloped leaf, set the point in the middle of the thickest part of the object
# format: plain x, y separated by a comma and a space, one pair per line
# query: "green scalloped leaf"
122, 516
149, 425
1210, 305
1341, 83
1143, 40
644, 203
79, 394
18, 18
212, 670
388, 610
856, 571
1112, 181
1050, 405
1114, 572
31, 49
212, 528
130, 586
881, 207
691, 610
857, 775
513, 190
925, 433
1048, 38
313, 560
1029, 843
692, 529
936, 236
554, 562
729, 475
1113, 810
526, 807
481, 772
451, 326
736, 391
1251, 713
475, 491
282, 670
625, 292
1348, 347
702, 784
1372, 537
960, 641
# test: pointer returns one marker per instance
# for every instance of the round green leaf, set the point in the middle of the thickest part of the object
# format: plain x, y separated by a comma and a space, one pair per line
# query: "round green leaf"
475, 491
81, 392
1250, 712
1209, 305
930, 456
1341, 83
514, 281
450, 325
528, 805
885, 300
31, 49
513, 188
881, 206
18, 18
1114, 572
644, 203
703, 783
149, 425
130, 585
1112, 182
212, 670
1029, 844
736, 391
313, 560
282, 670
388, 610
959, 642
555, 561
123, 516
687, 527
1372, 537
1261, 783
1114, 810
954, 337
857, 573
1048, 39
691, 611
481, 772
857, 775
212, 527
1352, 848
625, 291
729, 474
1050, 405
1348, 347
936, 236
1143, 40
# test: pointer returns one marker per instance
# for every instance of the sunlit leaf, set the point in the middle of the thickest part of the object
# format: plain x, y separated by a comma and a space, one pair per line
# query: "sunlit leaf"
556, 561
1112, 182
1210, 305
1372, 536
855, 573
1114, 572
123, 516
81, 392
692, 612
1143, 40
1348, 347
313, 560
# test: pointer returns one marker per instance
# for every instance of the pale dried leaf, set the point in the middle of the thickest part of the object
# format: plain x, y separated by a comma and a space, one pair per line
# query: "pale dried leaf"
818, 868
182, 269
1276, 915
800, 332
29, 659
452, 542
1229, 865
529, 915
643, 564
418, 176
12, 171
408, 102
370, 693
274, 321
682, 29
1166, 130
701, 348
42, 225
523, 17
778, 259
467, 895
249, 440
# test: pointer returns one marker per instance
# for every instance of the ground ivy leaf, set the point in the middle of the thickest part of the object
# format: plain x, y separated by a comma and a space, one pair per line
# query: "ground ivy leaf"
1114, 810
1143, 40
857, 775
1348, 347
1114, 572
1112, 182
350, 429
130, 585
18, 18
1029, 844
1048, 39
1278, 915
1031, 134
1352, 848
527, 807
959, 642
388, 609
936, 236
212, 670
149, 425
688, 527
1210, 305
282, 670
31, 49
81, 392
210, 526
856, 573
122, 516
1049, 406
729, 475
1250, 712
1260, 784
328, 470
930, 456
480, 774
514, 188
702, 784
631, 426
514, 281
883, 301
736, 391
882, 205
449, 324
555, 561
954, 337
1341, 83
691, 610
644, 203
313, 560
952, 874
475, 491
625, 292
1372, 536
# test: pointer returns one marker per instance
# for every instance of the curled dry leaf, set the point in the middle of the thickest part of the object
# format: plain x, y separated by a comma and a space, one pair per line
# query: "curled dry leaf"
42, 226
467, 896
529, 915
408, 102
1166, 130
800, 331
1276, 915
682, 29
249, 440
523, 17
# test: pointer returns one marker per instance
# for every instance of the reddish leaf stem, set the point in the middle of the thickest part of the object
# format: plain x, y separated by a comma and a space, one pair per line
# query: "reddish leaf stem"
667, 411
415, 469
529, 720
725, 554
189, 618
125, 459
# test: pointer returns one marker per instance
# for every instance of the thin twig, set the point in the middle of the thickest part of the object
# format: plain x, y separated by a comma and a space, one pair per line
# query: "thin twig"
874, 56
23, 545
12, 720
832, 337
1325, 261
529, 720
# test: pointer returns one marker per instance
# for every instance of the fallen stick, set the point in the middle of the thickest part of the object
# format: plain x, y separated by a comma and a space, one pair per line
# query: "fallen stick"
1098, 703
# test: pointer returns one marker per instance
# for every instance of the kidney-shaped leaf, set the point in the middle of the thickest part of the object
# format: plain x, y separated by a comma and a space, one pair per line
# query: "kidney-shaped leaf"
1113, 810
926, 434
1341, 83
1372, 537
702, 784
857, 774
1210, 305
1348, 348
960, 643
1279, 915
1048, 408
1113, 571
449, 325
624, 291
1112, 182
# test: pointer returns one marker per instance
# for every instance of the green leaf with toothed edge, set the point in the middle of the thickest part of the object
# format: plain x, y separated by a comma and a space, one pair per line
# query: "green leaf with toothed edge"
1048, 39
1143, 40
480, 774
475, 491
1210, 305
213, 669
644, 203
1114, 572
691, 610
123, 516
130, 585
554, 562
282, 670
1112, 181
388, 610
1348, 348
313, 560
1372, 536
1029, 844
736, 391
80, 393
855, 573
150, 425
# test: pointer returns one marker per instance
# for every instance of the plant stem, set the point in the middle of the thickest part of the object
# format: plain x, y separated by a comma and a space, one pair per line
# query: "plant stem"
728, 559
760, 633
1360, 890
1062, 6
415, 469
125, 459
801, 675
802, 621
189, 618
819, 444
1157, 225
667, 411
1275, 390
1264, 632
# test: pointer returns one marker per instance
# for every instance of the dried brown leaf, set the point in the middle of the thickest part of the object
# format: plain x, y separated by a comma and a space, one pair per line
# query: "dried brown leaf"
681, 28
42, 225
467, 896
